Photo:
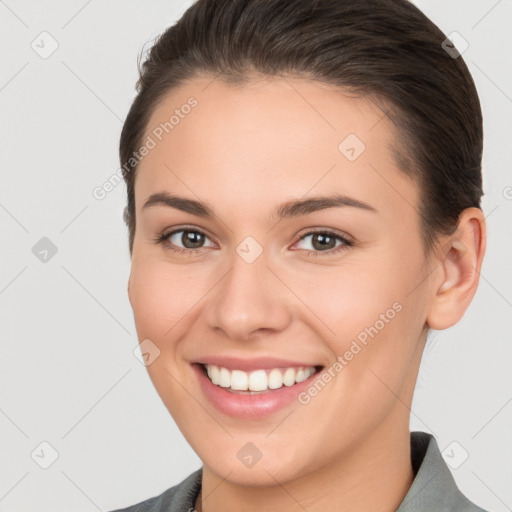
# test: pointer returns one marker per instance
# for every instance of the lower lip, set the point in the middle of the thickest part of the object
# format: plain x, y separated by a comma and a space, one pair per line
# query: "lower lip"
244, 405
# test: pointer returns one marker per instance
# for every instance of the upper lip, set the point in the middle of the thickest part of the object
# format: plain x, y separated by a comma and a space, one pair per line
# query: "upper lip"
255, 363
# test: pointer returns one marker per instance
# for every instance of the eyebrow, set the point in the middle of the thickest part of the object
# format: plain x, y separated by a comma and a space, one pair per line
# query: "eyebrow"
286, 210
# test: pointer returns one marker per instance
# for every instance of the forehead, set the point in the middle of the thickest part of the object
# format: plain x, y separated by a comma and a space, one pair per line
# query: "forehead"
267, 140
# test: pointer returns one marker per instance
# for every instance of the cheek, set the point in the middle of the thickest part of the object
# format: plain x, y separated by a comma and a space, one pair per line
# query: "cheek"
370, 314
161, 297
372, 332
350, 298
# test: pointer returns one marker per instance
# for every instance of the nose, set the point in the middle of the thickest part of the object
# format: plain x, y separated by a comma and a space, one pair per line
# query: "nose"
248, 301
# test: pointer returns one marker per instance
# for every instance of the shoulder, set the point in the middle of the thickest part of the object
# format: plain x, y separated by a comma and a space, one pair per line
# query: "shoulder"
180, 497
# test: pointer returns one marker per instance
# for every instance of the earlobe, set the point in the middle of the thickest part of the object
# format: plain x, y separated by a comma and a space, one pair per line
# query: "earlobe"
460, 262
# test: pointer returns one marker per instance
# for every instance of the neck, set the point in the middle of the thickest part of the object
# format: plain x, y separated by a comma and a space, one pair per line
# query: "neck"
374, 477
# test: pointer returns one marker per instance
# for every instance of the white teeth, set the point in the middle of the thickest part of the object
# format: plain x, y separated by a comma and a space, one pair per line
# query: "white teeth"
289, 377
225, 378
257, 380
214, 374
239, 380
275, 379
300, 376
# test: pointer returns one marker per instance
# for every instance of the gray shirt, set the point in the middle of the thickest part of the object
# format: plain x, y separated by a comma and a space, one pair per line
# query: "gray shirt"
433, 488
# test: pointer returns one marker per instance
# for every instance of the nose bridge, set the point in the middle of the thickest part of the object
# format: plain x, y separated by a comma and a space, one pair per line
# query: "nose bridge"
249, 297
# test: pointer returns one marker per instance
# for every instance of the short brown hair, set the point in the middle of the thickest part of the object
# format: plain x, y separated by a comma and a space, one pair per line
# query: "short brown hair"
386, 50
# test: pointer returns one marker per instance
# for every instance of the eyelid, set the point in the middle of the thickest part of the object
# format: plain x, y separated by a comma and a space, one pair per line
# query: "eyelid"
332, 231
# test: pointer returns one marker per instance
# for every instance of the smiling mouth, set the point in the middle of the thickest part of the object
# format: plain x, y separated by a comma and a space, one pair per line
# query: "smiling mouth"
257, 381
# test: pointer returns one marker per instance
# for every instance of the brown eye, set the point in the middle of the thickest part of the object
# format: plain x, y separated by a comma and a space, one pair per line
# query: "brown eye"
320, 241
192, 239
324, 241
185, 239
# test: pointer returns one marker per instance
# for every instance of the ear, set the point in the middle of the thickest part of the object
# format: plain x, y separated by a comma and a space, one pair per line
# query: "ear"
460, 262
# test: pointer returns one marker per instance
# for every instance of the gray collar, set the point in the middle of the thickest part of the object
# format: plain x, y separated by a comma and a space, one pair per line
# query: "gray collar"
433, 488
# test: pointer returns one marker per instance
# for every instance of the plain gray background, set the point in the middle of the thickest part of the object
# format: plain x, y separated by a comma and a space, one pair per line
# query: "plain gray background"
69, 376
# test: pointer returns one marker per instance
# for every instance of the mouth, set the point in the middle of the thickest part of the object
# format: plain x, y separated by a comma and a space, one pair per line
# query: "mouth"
256, 387
258, 381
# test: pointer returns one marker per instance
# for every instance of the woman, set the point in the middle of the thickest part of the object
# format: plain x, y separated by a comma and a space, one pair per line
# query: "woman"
304, 184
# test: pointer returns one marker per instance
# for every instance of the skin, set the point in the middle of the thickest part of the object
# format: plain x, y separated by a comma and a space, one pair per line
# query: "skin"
245, 149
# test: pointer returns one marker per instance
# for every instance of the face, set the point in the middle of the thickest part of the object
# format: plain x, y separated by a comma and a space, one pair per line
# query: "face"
319, 307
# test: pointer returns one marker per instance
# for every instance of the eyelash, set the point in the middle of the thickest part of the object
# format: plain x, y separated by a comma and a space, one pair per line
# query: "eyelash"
163, 240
